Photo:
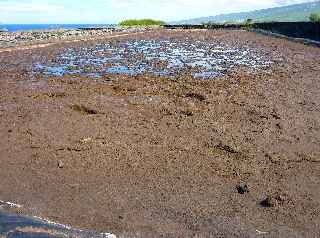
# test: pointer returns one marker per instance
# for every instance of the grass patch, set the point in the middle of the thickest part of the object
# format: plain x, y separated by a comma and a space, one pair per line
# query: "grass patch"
141, 22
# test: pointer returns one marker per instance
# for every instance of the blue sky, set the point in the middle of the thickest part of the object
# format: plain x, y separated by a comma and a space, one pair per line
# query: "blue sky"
113, 11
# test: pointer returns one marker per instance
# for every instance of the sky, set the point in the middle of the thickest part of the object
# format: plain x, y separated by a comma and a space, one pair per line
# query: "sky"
113, 11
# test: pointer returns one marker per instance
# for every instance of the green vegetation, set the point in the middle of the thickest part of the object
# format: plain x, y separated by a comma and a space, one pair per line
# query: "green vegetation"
211, 23
141, 22
292, 13
314, 17
249, 21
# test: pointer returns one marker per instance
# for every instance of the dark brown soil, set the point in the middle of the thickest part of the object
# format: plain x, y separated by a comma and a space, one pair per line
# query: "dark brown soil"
150, 156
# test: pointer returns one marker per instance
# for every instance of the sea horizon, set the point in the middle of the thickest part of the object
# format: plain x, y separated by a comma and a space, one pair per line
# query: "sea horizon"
30, 27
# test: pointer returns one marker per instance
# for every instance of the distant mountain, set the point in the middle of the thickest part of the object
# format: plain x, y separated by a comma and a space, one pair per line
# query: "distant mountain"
297, 12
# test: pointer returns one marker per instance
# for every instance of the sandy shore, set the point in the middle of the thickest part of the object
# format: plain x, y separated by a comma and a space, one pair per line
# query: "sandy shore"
148, 156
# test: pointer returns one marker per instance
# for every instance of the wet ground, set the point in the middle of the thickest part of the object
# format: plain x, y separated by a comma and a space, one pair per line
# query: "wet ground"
143, 155
162, 57
15, 225
19, 226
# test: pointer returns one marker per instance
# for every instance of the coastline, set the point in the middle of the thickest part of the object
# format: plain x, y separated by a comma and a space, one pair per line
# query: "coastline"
28, 39
14, 223
36, 44
44, 27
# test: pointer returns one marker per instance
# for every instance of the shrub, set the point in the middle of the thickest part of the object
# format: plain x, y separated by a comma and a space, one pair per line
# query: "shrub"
141, 22
314, 17
248, 21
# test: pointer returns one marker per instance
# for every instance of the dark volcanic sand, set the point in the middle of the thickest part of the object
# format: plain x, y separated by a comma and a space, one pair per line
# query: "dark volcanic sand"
149, 156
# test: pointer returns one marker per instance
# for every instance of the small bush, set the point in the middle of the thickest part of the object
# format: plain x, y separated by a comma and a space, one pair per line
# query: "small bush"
210, 23
314, 17
249, 21
141, 22
248, 24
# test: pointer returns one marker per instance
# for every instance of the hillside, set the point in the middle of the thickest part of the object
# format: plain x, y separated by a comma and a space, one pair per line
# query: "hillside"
297, 12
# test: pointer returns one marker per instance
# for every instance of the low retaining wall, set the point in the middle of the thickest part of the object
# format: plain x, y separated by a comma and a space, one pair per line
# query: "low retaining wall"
306, 30
303, 30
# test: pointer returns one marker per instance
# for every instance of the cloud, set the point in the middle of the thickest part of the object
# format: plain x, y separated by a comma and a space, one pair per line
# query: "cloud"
28, 7
121, 4
109, 11
193, 3
288, 2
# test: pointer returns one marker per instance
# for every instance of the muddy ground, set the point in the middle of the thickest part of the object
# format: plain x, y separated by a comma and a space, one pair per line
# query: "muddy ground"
149, 156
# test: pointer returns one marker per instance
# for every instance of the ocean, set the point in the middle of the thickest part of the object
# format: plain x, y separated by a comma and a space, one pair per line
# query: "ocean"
29, 27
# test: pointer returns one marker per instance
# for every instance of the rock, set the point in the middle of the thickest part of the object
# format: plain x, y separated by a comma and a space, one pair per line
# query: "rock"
278, 125
280, 198
275, 200
60, 164
86, 140
243, 188
269, 201
187, 113
197, 96
226, 148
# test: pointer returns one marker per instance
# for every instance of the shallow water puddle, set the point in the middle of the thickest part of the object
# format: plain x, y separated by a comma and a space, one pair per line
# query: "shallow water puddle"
15, 225
159, 57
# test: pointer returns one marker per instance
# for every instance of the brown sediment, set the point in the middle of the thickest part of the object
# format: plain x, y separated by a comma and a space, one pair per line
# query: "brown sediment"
152, 156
